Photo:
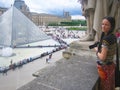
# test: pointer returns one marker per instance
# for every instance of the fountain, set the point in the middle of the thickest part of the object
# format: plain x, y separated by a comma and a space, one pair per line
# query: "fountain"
7, 52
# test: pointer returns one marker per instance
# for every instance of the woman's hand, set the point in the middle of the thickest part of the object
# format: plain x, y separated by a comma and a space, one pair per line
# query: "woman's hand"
96, 49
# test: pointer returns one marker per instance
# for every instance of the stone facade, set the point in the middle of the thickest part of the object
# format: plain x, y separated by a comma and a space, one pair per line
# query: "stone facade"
45, 19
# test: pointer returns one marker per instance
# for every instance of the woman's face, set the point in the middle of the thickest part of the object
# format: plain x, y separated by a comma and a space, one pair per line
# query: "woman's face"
106, 26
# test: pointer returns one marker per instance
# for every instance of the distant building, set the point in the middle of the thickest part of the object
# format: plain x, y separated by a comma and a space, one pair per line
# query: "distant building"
20, 4
45, 19
38, 18
2, 10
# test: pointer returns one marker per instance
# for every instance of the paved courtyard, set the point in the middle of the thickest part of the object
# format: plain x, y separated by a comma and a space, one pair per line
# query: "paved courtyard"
19, 77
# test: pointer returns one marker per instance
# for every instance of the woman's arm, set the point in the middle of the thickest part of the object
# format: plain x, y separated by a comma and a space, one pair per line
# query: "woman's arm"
102, 55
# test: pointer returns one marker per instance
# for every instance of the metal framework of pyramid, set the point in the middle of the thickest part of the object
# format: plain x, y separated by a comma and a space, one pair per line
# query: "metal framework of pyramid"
16, 29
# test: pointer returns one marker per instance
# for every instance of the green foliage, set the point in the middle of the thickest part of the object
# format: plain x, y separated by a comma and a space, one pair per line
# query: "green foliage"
72, 23
77, 28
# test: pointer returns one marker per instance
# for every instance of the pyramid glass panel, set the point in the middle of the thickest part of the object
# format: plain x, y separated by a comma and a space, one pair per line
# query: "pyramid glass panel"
5, 29
17, 29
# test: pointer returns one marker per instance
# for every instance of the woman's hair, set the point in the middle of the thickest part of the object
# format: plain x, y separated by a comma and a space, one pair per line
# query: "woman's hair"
112, 22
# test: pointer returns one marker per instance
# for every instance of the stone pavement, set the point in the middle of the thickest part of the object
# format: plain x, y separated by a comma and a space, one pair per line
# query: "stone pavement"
77, 73
19, 77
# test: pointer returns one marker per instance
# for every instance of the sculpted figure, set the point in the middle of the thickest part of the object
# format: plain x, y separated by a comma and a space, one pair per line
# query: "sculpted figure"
94, 11
115, 12
88, 9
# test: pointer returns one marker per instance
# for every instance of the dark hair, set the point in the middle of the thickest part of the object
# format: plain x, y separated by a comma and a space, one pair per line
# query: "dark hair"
112, 22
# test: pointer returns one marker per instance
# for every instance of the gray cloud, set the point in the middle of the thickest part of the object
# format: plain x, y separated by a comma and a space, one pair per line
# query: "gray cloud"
49, 6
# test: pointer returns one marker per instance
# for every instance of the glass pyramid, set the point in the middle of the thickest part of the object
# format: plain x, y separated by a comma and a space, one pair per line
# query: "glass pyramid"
16, 29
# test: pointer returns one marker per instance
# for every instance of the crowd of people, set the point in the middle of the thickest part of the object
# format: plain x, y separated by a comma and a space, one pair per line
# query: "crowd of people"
63, 32
13, 66
58, 34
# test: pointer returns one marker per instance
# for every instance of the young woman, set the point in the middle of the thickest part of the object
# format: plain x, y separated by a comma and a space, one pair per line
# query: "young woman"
105, 53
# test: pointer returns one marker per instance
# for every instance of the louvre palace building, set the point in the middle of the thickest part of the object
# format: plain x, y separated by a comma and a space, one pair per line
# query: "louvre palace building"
38, 18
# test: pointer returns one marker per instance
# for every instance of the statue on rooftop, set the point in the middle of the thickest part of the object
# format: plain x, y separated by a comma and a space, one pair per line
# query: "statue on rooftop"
94, 11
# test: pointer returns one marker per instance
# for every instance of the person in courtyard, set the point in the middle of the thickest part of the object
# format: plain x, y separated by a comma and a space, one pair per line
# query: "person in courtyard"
11, 62
50, 56
5, 70
105, 52
47, 60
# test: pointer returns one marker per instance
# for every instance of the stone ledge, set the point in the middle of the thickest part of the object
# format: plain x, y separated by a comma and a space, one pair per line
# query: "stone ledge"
76, 47
36, 74
67, 54
78, 73
117, 88
79, 45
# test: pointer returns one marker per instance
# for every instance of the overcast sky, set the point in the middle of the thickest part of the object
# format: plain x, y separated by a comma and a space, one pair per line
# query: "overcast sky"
49, 6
